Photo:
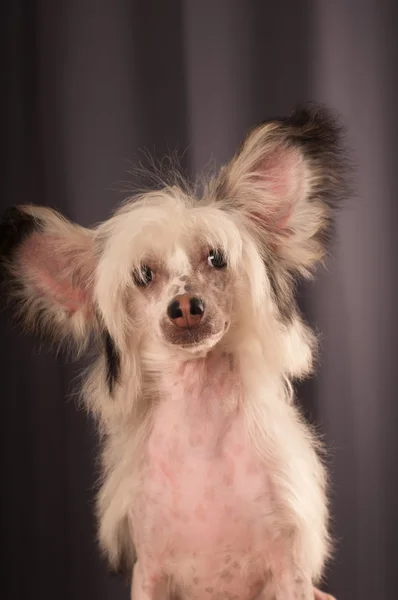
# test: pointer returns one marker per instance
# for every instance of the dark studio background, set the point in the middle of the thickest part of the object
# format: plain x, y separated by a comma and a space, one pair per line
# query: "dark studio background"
86, 84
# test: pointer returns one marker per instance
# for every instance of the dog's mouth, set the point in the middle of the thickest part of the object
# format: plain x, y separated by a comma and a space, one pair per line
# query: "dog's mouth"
191, 339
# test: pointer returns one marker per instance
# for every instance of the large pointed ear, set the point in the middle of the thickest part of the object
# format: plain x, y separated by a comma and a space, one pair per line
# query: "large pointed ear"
47, 270
286, 181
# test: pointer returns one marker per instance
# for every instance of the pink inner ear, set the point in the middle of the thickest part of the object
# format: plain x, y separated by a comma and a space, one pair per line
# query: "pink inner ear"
274, 221
63, 293
283, 175
53, 271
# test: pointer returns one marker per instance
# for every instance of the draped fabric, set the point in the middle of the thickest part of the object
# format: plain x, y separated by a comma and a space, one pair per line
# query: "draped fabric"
87, 85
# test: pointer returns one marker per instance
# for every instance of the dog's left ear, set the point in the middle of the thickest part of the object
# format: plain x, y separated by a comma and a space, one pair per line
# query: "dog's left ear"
286, 182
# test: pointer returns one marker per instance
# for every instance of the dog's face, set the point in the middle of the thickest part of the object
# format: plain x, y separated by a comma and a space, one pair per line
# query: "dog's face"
177, 271
186, 296
182, 273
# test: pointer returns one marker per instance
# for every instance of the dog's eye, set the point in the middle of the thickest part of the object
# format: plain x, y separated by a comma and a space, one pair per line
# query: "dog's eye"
143, 276
217, 259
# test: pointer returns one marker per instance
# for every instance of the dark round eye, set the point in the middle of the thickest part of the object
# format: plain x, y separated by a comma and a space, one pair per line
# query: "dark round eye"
143, 276
217, 259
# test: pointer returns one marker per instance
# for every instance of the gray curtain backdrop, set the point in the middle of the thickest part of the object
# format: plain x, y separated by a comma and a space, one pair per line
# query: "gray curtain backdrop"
87, 83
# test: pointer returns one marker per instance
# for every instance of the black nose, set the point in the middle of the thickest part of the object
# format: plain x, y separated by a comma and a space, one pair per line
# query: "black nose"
185, 311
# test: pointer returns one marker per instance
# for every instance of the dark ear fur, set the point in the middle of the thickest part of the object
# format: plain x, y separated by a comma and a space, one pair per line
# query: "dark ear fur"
15, 227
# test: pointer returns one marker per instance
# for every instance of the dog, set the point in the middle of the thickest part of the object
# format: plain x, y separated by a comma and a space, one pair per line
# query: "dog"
213, 485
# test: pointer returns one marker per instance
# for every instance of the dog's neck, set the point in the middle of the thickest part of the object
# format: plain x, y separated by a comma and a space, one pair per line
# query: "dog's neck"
198, 401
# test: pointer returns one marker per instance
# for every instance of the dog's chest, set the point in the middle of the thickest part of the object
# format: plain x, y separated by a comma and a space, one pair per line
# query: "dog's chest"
204, 492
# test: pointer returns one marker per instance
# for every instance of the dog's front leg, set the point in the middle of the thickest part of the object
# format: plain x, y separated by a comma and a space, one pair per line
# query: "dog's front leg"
147, 585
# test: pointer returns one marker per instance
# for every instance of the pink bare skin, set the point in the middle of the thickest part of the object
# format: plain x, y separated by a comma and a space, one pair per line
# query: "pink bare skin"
204, 518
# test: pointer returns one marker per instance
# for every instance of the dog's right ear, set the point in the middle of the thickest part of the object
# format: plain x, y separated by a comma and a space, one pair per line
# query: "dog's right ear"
47, 270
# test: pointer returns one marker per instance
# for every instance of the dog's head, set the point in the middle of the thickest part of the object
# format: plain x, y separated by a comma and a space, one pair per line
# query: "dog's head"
180, 274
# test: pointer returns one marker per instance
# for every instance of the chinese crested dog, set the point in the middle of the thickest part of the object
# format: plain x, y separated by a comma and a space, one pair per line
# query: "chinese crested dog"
212, 485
